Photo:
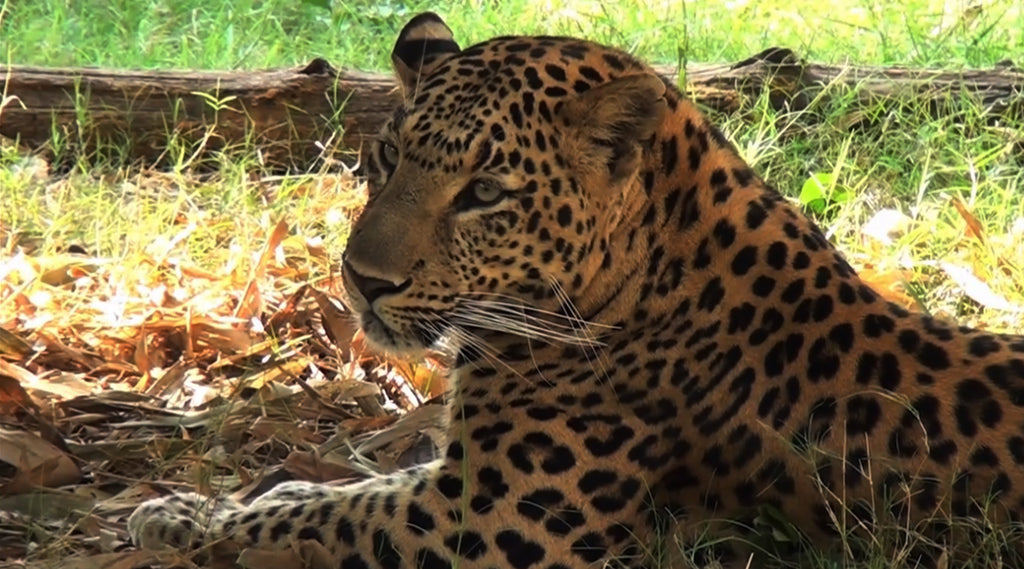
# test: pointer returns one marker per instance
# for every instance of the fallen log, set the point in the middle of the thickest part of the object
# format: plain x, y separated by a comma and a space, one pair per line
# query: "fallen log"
293, 117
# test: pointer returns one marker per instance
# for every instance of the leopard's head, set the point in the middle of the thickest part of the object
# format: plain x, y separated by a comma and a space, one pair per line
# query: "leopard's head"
495, 185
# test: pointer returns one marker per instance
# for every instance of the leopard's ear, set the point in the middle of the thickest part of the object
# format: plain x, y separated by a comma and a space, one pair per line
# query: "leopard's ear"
422, 45
615, 119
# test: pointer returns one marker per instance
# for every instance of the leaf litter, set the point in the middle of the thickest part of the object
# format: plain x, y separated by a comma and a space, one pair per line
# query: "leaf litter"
124, 379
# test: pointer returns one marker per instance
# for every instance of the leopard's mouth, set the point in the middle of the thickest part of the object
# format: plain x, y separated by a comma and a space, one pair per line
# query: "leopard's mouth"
415, 339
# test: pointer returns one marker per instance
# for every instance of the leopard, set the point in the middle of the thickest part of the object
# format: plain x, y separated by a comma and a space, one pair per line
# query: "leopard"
644, 337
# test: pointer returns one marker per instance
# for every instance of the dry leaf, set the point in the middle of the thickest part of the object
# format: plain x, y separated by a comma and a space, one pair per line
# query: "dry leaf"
14, 400
425, 379
304, 554
339, 323
59, 385
890, 284
17, 372
976, 288
12, 345
221, 337
38, 462
60, 270
286, 314
122, 560
973, 225
426, 419
78, 346
54, 348
276, 371
282, 430
306, 465
886, 225
251, 303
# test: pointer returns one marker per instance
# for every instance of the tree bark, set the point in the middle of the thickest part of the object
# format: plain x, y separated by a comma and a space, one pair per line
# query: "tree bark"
295, 117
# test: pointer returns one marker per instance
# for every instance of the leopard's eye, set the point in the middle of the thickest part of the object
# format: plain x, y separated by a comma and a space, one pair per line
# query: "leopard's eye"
389, 155
479, 194
487, 193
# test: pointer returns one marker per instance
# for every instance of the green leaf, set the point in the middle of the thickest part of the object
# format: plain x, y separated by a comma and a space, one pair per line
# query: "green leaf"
814, 192
841, 195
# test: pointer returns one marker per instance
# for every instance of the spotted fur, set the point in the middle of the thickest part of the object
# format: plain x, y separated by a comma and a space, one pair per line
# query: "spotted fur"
643, 330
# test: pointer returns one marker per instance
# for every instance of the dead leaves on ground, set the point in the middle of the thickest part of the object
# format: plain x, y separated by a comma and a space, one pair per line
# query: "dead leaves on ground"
125, 379
974, 267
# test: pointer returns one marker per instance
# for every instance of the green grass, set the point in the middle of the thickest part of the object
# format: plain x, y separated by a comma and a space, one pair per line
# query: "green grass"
897, 155
902, 156
252, 33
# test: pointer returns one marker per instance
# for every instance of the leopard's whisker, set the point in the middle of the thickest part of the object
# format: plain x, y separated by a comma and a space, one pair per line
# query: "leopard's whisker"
464, 337
594, 356
529, 321
498, 313
505, 319
519, 304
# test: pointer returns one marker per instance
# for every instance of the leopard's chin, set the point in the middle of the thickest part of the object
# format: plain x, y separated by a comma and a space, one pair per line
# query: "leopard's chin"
414, 342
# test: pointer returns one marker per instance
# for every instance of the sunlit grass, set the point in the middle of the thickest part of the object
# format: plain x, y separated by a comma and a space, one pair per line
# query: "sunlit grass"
251, 34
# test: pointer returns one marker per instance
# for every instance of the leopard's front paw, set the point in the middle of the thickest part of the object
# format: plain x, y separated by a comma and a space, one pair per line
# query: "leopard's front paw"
179, 521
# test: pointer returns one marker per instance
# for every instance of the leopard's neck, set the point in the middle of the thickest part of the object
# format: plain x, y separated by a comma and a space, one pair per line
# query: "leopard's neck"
687, 201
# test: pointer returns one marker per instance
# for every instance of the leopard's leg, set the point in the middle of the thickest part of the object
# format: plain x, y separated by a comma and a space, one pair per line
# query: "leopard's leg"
441, 515
178, 521
290, 510
381, 522
183, 521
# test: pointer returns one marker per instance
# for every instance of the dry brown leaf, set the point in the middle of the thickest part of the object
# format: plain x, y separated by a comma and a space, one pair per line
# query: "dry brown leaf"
54, 348
60, 270
427, 380
324, 408
106, 322
188, 419
890, 284
16, 372
170, 382
194, 272
286, 314
122, 560
141, 360
13, 345
315, 248
277, 371
14, 400
59, 385
425, 419
304, 554
222, 337
306, 465
234, 359
47, 504
38, 462
974, 227
283, 430
251, 303
277, 236
339, 324
129, 450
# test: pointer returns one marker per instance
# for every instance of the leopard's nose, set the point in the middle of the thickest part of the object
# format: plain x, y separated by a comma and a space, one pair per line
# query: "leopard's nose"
371, 288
